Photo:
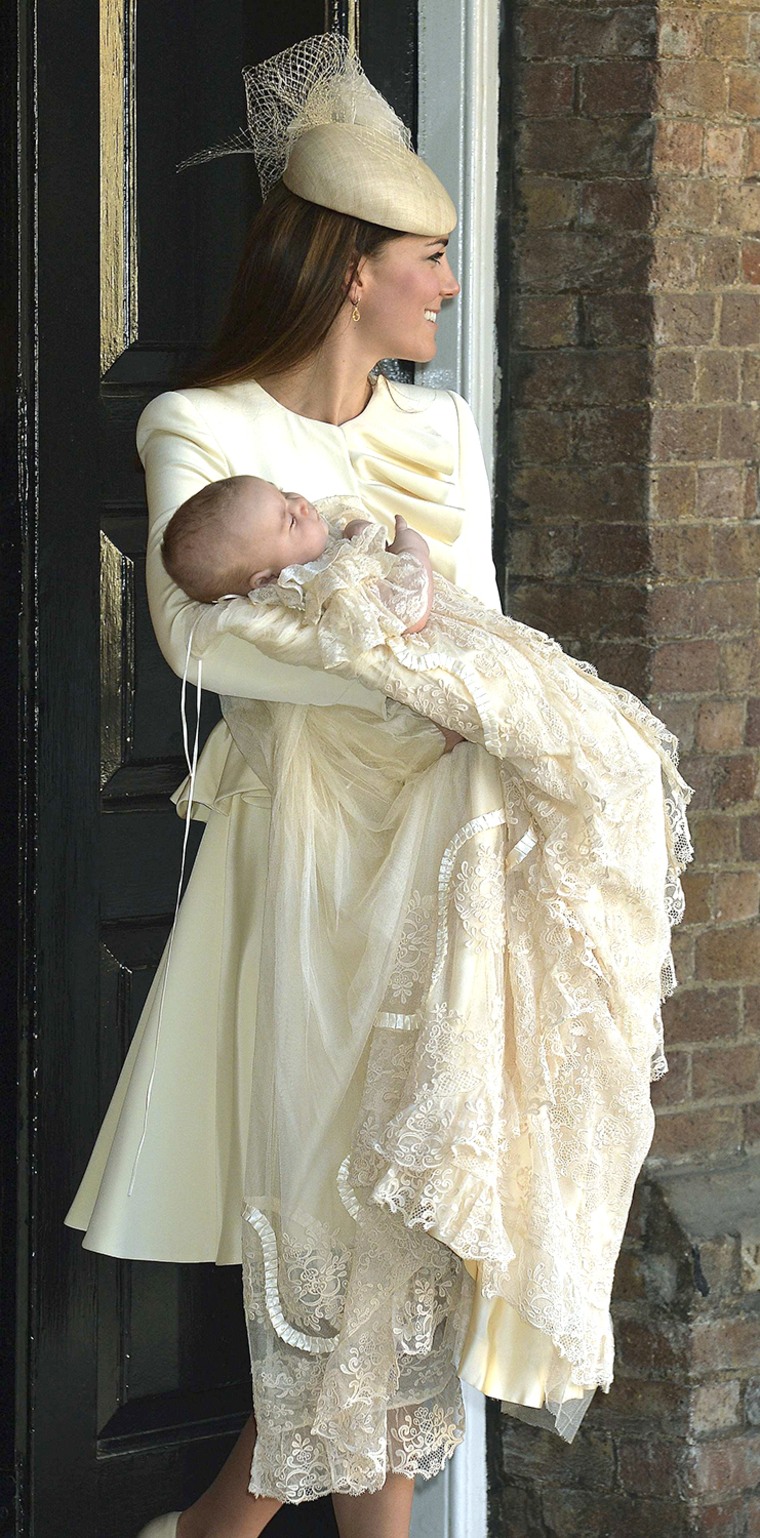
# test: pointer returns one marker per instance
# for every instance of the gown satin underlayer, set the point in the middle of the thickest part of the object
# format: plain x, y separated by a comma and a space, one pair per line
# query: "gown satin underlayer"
456, 963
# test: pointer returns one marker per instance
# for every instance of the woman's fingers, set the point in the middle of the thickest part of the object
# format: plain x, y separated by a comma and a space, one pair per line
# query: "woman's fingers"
451, 739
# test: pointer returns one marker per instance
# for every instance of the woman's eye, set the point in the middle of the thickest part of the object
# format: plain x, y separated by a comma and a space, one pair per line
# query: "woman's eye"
437, 257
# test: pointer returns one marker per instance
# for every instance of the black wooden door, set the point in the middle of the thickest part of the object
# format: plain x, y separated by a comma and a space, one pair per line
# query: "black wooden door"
131, 1379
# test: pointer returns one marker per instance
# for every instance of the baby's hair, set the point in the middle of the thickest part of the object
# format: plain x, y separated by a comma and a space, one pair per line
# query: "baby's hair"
198, 547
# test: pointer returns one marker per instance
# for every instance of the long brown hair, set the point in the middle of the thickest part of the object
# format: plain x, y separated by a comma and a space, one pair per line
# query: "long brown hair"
289, 288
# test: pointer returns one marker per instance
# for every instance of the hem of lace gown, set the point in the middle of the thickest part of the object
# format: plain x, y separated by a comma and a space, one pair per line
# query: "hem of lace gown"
466, 1217
419, 1444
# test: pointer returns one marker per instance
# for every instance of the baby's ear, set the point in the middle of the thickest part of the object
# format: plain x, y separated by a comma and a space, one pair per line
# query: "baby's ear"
260, 579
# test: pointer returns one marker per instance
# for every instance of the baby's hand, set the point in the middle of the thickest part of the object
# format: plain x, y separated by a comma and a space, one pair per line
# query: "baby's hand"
355, 527
406, 539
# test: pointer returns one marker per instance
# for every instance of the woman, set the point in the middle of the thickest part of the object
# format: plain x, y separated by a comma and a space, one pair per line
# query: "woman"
346, 264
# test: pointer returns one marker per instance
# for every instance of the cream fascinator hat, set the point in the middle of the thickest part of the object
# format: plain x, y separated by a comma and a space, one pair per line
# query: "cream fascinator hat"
316, 122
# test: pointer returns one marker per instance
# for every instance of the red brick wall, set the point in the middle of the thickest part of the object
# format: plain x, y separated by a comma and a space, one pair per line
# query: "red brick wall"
627, 487
630, 443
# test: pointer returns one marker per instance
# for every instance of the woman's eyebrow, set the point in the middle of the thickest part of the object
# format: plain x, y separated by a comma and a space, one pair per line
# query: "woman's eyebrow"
442, 240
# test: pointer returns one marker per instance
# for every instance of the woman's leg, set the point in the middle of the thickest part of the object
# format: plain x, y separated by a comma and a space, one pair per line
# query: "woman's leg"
384, 1514
227, 1509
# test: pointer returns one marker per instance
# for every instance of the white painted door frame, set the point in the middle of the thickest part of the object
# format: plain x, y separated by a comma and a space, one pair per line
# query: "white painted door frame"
458, 136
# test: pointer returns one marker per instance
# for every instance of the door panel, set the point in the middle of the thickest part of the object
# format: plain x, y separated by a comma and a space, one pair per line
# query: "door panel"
133, 1378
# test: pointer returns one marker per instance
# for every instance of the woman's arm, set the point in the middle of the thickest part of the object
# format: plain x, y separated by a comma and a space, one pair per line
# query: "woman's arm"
180, 454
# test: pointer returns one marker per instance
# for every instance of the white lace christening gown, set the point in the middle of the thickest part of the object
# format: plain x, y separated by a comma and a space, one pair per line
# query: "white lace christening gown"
463, 965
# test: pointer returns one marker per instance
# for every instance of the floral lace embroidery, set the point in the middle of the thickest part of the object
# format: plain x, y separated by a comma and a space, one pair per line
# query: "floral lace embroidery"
480, 897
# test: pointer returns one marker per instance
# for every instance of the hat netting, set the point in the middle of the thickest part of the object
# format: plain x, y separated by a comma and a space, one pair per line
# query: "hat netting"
317, 81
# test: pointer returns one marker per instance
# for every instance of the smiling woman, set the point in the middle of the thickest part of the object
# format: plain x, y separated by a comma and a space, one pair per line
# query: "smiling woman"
346, 264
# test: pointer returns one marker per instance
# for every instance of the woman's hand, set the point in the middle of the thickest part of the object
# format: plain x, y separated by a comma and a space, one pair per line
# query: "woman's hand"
451, 739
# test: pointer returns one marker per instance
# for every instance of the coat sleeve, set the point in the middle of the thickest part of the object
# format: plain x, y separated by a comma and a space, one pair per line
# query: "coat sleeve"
180, 454
475, 568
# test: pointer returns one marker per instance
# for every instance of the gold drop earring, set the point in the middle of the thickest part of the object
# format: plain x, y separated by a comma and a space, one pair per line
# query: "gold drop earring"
355, 316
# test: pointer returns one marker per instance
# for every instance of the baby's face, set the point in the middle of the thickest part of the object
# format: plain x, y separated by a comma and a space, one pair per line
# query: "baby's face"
277, 528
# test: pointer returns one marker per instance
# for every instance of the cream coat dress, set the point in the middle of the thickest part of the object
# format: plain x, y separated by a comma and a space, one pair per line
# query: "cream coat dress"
166, 1177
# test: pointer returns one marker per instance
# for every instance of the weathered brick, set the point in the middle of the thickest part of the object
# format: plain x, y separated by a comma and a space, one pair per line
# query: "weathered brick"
587, 147
567, 1513
647, 1465
740, 665
579, 377
544, 90
739, 432
752, 728
557, 32
751, 261
542, 550
753, 151
545, 202
702, 1014
676, 263
718, 375
574, 609
654, 1348
685, 1134
737, 896
547, 322
680, 35
615, 320
724, 150
616, 87
688, 203
733, 1463
682, 551
697, 889
736, 548
617, 205
698, 771
688, 432
726, 37
720, 261
677, 146
740, 320
725, 608
728, 955
614, 550
716, 1407
695, 88
740, 207
615, 436
542, 1454
749, 837
540, 436
582, 260
726, 1070
588, 493
719, 491
752, 1011
735, 780
752, 1138
625, 663
688, 667
674, 375
751, 377
674, 492
720, 725
744, 92
684, 320
716, 838
679, 716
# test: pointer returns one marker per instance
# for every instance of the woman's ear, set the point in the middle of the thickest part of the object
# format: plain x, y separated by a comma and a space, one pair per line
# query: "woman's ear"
354, 280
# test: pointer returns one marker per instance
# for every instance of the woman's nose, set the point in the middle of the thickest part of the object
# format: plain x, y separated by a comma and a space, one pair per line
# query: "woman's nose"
449, 285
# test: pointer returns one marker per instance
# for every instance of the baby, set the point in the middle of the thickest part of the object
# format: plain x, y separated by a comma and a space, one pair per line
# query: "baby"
237, 535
